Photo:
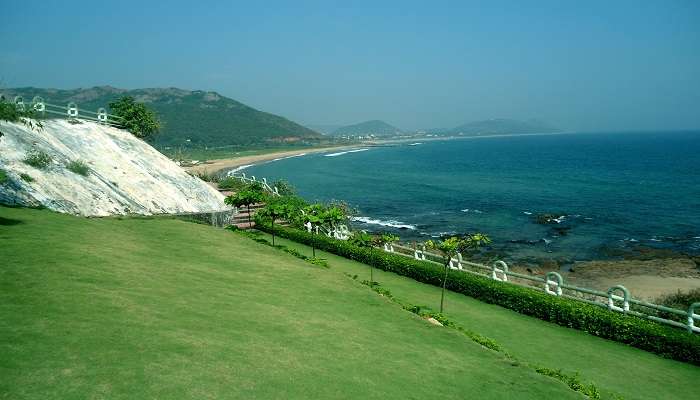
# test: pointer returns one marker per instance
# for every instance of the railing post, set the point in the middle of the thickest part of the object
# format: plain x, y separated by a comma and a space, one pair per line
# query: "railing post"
503, 270
625, 298
102, 115
72, 110
19, 103
692, 316
38, 104
557, 282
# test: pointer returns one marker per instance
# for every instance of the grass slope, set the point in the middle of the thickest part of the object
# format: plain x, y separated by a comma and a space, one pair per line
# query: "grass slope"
157, 308
617, 369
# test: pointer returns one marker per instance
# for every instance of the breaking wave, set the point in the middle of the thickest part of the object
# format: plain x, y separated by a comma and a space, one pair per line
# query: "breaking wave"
389, 223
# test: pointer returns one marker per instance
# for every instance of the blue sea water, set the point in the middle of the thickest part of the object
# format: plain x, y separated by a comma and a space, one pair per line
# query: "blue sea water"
608, 192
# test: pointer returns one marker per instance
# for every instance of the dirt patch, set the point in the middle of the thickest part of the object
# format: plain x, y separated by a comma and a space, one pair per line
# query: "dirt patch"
645, 279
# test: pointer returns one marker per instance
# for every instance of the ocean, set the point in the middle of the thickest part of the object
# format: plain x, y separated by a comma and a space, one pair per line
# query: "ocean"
570, 197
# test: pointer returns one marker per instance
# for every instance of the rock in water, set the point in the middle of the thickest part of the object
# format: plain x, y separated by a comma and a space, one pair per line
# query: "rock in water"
126, 175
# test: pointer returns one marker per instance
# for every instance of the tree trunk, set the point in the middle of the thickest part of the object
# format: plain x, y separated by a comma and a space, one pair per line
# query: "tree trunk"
444, 284
273, 230
250, 224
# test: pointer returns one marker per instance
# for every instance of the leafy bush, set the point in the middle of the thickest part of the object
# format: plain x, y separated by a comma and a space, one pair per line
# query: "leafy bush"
136, 117
207, 176
78, 167
3, 176
26, 177
654, 337
680, 300
38, 159
233, 184
284, 188
9, 112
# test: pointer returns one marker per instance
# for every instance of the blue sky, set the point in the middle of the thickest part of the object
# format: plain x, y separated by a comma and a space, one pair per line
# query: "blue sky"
581, 65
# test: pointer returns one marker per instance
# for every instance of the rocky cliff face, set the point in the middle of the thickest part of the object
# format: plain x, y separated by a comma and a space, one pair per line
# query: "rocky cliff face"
125, 175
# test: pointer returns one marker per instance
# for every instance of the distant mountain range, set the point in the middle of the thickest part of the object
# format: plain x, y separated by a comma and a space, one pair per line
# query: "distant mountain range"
374, 127
192, 117
498, 126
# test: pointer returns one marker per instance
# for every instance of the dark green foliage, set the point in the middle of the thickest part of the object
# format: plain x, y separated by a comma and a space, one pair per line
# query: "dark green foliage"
3, 176
284, 188
9, 112
680, 300
256, 237
135, 117
233, 184
573, 381
38, 159
654, 337
78, 167
26, 178
209, 177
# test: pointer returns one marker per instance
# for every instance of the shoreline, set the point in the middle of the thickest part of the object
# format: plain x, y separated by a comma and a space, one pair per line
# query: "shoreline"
216, 165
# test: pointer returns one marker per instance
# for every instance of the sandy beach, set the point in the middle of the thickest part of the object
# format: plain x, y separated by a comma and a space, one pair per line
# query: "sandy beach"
212, 166
215, 165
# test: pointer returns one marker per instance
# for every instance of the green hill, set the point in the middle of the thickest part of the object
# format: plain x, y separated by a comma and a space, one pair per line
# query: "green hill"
195, 118
374, 127
126, 308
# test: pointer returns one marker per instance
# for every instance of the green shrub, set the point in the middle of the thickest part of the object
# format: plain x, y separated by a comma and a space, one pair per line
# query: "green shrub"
3, 176
233, 184
78, 167
680, 300
38, 159
136, 117
26, 177
647, 335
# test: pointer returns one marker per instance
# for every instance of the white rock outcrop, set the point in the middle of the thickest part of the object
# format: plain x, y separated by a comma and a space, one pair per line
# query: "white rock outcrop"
127, 176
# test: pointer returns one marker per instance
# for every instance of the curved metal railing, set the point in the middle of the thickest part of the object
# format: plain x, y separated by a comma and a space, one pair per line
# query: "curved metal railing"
615, 299
70, 111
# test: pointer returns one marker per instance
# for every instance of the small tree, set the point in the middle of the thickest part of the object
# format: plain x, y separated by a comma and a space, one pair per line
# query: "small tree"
385, 238
333, 216
450, 247
245, 198
365, 240
136, 117
272, 212
311, 214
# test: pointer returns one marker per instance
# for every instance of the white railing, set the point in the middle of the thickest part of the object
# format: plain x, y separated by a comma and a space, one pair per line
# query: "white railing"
242, 176
70, 111
615, 299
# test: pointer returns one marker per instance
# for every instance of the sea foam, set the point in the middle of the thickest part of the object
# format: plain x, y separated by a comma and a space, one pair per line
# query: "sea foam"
344, 152
389, 223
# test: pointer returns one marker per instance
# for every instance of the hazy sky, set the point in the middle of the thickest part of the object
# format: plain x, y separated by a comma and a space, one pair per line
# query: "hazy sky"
582, 65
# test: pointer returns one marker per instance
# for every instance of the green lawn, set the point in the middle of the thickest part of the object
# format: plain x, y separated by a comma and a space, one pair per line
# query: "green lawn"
615, 368
156, 308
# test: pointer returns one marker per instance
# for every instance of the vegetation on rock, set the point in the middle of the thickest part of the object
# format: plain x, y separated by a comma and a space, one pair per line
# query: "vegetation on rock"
78, 167
136, 117
38, 159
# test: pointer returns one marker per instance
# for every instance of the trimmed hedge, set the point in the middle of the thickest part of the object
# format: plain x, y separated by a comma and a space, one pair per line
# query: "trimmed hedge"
661, 339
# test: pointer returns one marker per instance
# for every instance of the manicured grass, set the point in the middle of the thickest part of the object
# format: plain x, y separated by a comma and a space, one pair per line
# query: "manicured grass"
615, 368
157, 308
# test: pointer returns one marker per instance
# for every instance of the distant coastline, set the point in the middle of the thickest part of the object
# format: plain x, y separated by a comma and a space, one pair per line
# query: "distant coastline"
216, 165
